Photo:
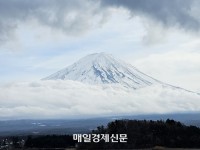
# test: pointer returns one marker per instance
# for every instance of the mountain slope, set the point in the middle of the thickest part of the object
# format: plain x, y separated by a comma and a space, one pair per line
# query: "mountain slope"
101, 68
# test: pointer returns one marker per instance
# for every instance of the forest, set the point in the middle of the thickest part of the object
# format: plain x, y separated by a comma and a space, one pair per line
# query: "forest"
148, 134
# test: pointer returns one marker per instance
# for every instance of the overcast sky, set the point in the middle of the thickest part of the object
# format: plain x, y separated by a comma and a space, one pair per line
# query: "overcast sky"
160, 38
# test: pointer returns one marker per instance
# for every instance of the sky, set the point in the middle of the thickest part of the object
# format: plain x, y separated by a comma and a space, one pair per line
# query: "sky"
160, 38
38, 38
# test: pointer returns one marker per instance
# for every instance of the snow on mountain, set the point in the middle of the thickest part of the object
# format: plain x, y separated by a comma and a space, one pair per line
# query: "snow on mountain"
101, 68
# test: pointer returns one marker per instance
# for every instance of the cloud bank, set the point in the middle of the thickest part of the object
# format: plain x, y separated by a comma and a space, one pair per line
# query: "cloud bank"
70, 99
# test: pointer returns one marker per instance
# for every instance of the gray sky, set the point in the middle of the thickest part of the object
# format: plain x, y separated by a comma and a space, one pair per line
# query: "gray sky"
160, 38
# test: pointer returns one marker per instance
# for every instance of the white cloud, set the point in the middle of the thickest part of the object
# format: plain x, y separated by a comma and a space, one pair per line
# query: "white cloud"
69, 99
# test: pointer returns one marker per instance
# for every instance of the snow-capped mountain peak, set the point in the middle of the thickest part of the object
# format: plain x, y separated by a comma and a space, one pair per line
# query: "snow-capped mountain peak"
102, 68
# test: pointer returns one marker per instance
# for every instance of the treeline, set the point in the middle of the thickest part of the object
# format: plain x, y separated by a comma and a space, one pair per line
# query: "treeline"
148, 134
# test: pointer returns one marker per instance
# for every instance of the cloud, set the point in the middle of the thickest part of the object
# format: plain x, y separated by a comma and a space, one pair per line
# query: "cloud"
72, 17
70, 99
75, 17
181, 13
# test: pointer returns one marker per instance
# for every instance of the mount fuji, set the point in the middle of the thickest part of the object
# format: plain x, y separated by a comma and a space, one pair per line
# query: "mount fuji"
102, 68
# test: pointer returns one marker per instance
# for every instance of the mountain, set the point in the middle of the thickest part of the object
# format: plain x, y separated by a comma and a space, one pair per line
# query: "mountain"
102, 68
